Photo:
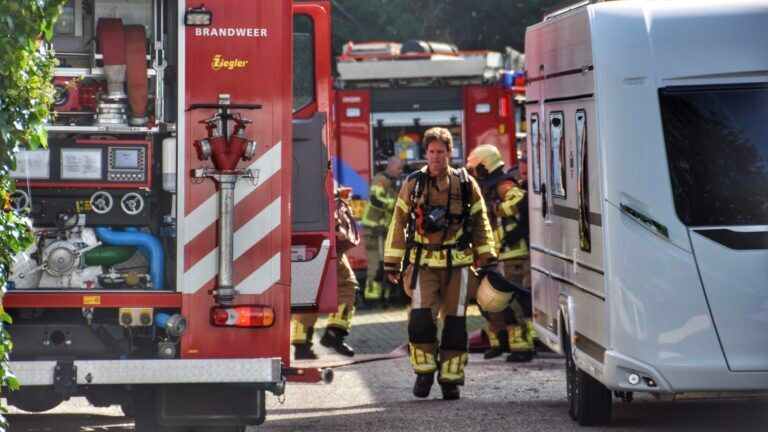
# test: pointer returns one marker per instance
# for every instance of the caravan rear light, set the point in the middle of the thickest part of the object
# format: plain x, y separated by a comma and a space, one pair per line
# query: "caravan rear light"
243, 316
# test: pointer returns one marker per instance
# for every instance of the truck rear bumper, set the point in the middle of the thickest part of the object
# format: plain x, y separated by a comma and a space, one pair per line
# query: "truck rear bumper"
174, 371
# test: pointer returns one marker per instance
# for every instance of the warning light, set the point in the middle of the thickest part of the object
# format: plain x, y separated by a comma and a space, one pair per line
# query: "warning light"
243, 316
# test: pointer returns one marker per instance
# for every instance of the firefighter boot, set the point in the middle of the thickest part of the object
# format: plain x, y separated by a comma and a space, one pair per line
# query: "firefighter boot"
532, 336
423, 384
450, 391
334, 338
499, 343
451, 375
303, 350
519, 344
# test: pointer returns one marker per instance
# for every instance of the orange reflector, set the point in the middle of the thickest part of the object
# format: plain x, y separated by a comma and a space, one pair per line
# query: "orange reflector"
243, 316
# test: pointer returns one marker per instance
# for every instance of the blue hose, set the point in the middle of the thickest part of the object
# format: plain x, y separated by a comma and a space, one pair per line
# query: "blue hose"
142, 249
148, 245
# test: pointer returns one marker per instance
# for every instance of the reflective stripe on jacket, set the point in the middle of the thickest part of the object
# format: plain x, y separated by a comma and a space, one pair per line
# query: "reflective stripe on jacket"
436, 191
503, 219
381, 202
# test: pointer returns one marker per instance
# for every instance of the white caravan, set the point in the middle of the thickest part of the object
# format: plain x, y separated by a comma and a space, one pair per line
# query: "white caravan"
648, 150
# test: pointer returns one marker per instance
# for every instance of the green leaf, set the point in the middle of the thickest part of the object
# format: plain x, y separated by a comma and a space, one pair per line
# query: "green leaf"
26, 95
12, 382
34, 142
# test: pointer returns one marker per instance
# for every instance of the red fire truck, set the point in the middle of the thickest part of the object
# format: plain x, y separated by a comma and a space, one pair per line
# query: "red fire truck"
180, 210
388, 94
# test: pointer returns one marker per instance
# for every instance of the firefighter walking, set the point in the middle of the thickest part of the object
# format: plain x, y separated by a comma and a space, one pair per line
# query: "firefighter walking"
511, 329
339, 322
438, 230
376, 218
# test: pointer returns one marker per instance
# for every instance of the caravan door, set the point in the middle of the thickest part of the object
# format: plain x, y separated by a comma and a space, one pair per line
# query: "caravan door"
717, 146
540, 217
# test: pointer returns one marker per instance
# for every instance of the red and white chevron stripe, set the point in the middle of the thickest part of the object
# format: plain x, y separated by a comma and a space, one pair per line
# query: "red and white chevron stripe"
257, 222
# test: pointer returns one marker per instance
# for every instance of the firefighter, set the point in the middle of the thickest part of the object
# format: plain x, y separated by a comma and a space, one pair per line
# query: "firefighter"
438, 230
512, 329
376, 217
338, 324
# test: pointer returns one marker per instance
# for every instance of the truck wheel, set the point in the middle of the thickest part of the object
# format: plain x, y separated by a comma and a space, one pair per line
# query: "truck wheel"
589, 401
570, 379
219, 429
128, 409
35, 399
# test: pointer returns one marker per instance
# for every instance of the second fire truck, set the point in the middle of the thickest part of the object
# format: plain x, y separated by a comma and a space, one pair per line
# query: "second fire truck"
388, 94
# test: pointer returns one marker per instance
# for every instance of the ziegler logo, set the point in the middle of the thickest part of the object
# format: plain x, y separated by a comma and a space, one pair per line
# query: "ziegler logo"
221, 63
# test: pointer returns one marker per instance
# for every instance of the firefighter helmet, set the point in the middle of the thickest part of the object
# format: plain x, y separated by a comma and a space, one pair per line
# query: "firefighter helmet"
494, 292
483, 160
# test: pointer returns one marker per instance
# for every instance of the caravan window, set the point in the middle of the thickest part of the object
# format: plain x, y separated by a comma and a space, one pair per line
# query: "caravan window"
535, 150
717, 150
557, 147
582, 185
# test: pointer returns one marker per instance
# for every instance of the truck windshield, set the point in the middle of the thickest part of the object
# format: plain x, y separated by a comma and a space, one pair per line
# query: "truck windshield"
717, 149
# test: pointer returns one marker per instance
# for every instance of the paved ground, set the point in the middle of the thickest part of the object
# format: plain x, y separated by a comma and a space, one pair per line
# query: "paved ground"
377, 331
498, 396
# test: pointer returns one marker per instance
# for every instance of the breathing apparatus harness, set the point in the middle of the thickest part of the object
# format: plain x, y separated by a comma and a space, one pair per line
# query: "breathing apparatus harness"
427, 219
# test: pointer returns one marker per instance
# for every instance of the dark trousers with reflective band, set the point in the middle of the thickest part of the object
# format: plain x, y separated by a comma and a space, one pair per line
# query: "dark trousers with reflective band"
438, 294
342, 318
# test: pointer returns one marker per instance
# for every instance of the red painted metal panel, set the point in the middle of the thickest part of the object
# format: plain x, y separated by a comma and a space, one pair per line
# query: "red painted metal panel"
353, 142
355, 132
203, 340
36, 299
246, 54
486, 128
319, 12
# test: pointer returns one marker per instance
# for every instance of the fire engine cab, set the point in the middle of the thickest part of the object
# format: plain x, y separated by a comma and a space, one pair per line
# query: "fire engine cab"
388, 94
165, 238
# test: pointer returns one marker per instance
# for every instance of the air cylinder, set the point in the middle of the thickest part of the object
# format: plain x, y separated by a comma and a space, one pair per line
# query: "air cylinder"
169, 164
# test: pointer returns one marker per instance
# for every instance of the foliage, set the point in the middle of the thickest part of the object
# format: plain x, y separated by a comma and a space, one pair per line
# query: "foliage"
26, 94
470, 24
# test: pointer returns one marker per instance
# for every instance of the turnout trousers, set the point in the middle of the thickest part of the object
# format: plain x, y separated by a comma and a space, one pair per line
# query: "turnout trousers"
342, 318
438, 293
516, 318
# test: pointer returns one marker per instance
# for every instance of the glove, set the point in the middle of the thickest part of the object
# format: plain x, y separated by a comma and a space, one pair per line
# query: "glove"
489, 268
393, 276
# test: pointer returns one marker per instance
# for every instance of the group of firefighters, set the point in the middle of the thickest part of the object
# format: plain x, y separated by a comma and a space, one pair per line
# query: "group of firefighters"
439, 236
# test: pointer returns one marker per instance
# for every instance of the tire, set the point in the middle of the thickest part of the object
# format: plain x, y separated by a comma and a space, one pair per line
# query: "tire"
218, 429
589, 401
128, 409
571, 374
35, 399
